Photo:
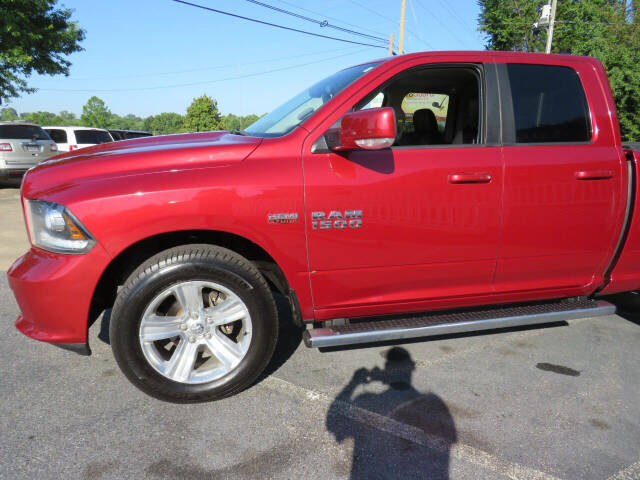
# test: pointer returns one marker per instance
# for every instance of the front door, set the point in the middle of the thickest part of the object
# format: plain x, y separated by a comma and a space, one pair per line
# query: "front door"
414, 226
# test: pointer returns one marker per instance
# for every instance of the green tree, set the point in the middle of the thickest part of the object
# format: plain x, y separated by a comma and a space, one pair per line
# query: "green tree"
67, 118
164, 123
231, 122
40, 118
234, 122
605, 29
96, 114
35, 36
203, 115
7, 114
127, 122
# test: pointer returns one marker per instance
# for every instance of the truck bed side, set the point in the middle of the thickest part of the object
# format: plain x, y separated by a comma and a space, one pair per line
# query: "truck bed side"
625, 274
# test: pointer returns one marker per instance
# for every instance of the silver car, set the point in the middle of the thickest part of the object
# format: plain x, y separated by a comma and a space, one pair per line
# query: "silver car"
22, 146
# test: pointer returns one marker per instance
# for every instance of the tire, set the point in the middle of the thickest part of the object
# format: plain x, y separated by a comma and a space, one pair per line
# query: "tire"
158, 297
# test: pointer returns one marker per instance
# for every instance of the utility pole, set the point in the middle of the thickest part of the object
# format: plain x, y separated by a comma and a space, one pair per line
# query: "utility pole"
552, 22
391, 45
401, 43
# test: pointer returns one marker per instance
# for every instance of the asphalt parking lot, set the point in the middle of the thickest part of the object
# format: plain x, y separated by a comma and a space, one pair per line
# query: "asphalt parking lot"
557, 402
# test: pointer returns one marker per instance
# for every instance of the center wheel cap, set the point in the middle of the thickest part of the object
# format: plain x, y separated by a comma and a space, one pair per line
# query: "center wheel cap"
197, 329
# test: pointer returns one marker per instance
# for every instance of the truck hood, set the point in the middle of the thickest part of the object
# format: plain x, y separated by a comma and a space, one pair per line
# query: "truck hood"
138, 156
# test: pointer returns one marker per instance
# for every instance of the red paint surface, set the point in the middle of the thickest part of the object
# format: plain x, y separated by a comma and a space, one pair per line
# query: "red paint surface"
367, 124
442, 227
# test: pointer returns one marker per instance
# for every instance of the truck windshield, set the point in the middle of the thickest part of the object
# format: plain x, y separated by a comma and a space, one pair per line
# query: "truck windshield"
292, 113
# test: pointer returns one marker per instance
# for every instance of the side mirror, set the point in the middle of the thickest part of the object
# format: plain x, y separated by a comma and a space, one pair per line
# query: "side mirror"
371, 129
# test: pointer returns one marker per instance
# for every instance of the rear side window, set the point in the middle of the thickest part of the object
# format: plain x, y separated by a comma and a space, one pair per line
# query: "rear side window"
130, 135
92, 136
23, 132
117, 134
57, 135
549, 104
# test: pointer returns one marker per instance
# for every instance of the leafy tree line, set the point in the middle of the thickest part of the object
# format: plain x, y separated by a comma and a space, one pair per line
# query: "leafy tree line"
35, 36
202, 115
606, 29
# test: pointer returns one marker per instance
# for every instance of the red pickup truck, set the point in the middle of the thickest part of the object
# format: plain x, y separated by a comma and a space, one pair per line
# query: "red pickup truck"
488, 189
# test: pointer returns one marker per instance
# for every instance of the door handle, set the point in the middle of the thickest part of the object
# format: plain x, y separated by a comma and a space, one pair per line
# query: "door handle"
593, 174
469, 178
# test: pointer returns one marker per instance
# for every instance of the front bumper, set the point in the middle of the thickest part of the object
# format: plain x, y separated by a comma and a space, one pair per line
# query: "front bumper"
10, 173
54, 293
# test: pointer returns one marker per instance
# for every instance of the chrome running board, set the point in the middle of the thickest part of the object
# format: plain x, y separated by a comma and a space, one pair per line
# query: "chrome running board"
426, 325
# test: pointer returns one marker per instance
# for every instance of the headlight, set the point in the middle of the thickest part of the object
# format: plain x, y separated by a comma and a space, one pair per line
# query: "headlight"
52, 227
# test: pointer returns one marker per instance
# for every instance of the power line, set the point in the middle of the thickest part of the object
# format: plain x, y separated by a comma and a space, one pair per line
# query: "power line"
213, 67
237, 77
460, 20
262, 22
330, 18
375, 12
415, 18
378, 14
322, 23
434, 16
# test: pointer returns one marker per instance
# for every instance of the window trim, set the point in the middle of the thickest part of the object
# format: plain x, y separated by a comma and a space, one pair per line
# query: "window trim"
479, 70
507, 110
487, 83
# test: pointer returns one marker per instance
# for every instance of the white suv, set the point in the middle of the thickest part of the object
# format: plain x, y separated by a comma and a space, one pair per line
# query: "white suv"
72, 138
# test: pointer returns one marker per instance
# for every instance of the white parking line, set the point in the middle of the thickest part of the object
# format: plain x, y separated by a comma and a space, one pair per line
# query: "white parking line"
410, 433
632, 472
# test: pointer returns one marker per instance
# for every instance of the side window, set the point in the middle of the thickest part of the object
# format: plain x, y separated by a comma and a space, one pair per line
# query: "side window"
433, 105
57, 135
549, 104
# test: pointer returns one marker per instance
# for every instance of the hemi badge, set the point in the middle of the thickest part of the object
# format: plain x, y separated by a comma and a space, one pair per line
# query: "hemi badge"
278, 218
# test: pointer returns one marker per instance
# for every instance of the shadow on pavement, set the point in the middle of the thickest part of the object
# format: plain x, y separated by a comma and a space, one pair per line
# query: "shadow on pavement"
377, 454
105, 320
11, 184
289, 339
627, 304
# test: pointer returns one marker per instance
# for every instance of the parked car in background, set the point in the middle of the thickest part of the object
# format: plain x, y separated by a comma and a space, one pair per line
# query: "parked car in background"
22, 146
73, 138
128, 134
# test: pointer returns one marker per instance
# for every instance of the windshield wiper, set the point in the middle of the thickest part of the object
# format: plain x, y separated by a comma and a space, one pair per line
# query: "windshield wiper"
236, 131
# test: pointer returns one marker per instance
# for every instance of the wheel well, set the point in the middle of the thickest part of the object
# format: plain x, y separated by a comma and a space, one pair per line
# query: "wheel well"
129, 259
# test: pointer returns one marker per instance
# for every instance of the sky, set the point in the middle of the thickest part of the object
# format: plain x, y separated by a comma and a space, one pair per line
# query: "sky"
151, 56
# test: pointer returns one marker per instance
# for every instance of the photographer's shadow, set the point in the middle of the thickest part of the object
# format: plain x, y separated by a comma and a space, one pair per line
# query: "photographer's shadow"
382, 455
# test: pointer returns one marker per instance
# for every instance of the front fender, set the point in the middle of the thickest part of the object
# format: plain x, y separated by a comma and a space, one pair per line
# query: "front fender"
234, 199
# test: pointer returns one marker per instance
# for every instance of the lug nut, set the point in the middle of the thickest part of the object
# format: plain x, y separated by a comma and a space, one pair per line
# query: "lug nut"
207, 336
183, 326
209, 319
192, 339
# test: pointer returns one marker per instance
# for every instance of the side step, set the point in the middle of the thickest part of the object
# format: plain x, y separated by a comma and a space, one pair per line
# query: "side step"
425, 325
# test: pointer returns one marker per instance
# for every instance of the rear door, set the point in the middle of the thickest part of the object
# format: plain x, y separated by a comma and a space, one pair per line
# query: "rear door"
564, 177
414, 226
